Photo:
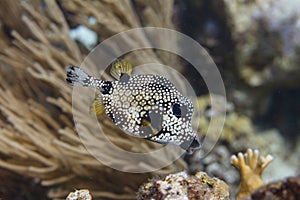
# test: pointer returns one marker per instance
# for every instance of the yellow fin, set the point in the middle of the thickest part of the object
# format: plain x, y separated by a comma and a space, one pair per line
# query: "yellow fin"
97, 107
120, 67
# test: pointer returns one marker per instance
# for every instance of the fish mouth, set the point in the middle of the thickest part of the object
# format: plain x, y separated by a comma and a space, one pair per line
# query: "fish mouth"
194, 146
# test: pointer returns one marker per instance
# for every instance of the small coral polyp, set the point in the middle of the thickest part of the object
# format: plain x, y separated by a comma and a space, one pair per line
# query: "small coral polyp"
251, 166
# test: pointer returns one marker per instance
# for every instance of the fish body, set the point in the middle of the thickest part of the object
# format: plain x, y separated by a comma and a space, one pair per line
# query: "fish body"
147, 106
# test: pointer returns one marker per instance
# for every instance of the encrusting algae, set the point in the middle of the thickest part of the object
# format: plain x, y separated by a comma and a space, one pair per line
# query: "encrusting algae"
251, 166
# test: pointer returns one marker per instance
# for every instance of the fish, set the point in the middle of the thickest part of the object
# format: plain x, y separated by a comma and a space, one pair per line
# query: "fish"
144, 105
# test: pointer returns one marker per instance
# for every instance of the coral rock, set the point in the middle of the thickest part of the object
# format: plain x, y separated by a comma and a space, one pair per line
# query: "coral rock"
180, 186
79, 195
284, 189
266, 34
237, 129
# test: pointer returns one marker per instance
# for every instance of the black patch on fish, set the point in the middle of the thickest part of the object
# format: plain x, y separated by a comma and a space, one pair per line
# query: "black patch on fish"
107, 87
176, 109
69, 81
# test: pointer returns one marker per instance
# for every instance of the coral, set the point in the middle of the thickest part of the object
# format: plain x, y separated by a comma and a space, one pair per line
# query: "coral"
82, 194
288, 188
251, 166
180, 186
38, 139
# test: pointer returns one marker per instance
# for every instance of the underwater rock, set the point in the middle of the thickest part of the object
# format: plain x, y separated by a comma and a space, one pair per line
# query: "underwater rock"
235, 136
287, 156
288, 189
180, 186
216, 164
266, 34
237, 129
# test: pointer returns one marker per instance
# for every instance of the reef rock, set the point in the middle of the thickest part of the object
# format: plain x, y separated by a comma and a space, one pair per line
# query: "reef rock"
237, 130
266, 34
181, 186
288, 189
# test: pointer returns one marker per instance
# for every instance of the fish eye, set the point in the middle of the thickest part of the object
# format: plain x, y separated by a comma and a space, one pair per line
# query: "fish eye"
176, 109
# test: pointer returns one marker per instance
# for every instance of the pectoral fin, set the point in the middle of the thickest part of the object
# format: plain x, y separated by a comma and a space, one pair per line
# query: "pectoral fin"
97, 107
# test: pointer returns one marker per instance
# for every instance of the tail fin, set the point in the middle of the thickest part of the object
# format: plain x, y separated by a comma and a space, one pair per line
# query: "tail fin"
77, 77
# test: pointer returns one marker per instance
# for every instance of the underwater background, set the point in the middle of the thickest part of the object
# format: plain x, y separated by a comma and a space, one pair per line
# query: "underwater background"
256, 47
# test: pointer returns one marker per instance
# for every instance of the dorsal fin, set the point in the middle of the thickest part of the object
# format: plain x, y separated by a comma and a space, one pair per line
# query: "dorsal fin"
119, 68
97, 107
